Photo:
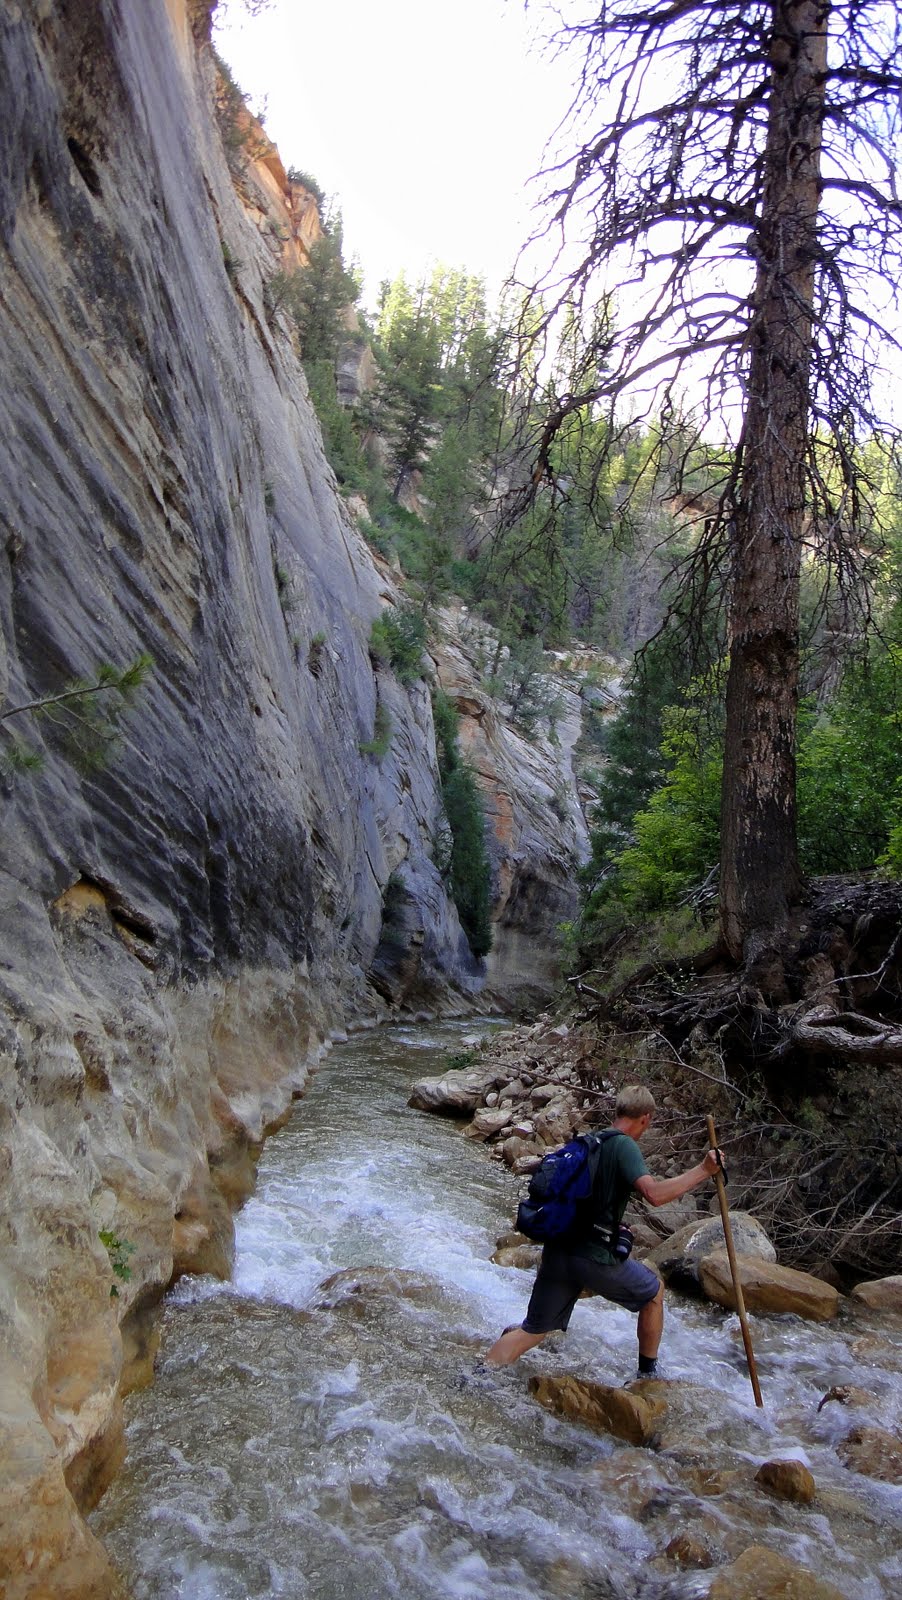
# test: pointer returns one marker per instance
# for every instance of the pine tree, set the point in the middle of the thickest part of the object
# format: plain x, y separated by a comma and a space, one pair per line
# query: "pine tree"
735, 176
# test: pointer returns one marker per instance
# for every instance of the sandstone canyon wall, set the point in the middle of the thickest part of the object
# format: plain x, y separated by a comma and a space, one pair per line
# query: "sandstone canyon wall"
182, 931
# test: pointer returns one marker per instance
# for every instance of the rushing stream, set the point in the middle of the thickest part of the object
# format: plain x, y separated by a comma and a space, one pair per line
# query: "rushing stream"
331, 1442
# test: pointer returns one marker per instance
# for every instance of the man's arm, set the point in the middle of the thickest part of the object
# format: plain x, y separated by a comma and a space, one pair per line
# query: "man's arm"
658, 1191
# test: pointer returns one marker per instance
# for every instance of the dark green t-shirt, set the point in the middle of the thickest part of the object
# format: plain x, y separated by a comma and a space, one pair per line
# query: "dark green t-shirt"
621, 1162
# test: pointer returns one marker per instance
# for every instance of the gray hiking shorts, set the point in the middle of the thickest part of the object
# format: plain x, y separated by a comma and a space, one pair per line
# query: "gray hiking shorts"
562, 1276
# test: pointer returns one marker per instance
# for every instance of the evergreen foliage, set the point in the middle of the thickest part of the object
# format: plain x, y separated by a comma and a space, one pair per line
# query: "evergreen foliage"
340, 437
461, 855
84, 718
321, 295
850, 770
397, 640
436, 433
658, 817
469, 868
305, 180
378, 745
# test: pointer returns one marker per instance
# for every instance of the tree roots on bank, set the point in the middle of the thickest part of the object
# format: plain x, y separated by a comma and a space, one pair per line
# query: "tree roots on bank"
798, 1056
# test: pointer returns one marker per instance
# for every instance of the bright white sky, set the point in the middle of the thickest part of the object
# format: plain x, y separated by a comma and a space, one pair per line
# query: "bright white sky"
424, 119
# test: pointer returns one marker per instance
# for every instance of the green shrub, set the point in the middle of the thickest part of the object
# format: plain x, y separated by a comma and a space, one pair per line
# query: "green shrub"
340, 441
382, 731
676, 834
297, 175
230, 262
84, 718
231, 104
118, 1251
890, 862
397, 640
850, 758
469, 867
445, 721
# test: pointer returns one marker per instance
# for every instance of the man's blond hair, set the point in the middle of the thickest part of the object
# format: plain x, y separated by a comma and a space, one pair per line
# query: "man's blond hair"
634, 1101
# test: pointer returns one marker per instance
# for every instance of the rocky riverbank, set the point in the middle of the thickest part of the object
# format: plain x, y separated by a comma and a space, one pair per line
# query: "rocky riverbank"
527, 1091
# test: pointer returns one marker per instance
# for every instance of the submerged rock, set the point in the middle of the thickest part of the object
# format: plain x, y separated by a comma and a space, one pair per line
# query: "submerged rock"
762, 1574
525, 1256
787, 1480
873, 1452
872, 1351
767, 1287
511, 1237
847, 1394
685, 1551
354, 1285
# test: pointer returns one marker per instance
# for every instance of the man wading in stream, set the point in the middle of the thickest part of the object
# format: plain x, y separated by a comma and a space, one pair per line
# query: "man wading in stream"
567, 1268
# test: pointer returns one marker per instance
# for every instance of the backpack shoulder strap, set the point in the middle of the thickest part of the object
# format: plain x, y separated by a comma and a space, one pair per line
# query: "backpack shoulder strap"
596, 1143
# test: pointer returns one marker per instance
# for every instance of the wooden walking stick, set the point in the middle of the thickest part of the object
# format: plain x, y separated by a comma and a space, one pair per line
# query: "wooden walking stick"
734, 1270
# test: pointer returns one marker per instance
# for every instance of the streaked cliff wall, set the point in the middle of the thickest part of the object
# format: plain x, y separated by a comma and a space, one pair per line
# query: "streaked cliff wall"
180, 932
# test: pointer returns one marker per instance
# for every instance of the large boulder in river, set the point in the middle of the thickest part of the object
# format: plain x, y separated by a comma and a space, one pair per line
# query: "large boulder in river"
677, 1259
767, 1287
454, 1094
880, 1294
762, 1574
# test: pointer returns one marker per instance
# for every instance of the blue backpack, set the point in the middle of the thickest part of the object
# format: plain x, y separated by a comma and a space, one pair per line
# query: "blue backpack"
558, 1204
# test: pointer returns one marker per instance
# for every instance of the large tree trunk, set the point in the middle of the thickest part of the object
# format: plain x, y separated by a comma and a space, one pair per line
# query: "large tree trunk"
759, 864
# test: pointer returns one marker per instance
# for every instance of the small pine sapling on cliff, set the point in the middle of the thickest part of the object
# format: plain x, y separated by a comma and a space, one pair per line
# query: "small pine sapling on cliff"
85, 718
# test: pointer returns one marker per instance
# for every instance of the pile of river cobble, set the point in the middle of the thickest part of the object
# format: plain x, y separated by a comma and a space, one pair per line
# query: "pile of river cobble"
528, 1090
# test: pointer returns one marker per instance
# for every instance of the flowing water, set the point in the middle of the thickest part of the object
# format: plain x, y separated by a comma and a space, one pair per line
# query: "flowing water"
332, 1443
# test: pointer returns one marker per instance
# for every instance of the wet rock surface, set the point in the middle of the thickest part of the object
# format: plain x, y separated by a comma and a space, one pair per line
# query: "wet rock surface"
626, 1415
874, 1452
685, 1551
762, 1574
787, 1480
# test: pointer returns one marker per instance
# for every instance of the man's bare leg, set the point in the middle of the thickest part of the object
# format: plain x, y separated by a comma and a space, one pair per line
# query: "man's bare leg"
650, 1325
512, 1344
